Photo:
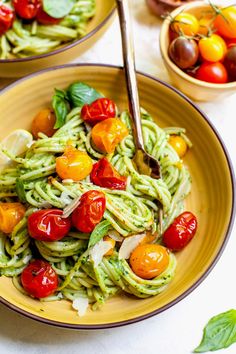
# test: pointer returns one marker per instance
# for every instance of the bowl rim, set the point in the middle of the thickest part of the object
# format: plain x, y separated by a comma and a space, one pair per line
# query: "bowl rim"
226, 236
66, 46
164, 51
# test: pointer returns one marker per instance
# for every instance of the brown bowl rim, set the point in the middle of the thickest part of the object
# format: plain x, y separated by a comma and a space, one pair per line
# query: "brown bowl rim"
213, 263
66, 46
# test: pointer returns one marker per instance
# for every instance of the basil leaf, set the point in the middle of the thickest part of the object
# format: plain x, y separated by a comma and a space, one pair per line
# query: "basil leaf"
80, 94
58, 8
99, 232
220, 332
20, 190
61, 108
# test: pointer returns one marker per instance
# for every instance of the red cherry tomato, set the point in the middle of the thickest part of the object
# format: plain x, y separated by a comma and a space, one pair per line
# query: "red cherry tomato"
90, 211
43, 18
180, 232
212, 72
6, 19
48, 225
26, 9
105, 175
39, 279
101, 109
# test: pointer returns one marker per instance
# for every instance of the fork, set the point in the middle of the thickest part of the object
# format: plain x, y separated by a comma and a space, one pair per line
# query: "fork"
144, 162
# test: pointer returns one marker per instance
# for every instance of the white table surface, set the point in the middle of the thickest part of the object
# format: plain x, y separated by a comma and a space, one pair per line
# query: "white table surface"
179, 329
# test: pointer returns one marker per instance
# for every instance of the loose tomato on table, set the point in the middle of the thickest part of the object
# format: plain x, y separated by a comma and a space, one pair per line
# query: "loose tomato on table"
73, 164
185, 23
44, 123
26, 9
225, 21
212, 48
184, 52
10, 215
149, 260
180, 232
212, 72
106, 135
99, 110
43, 18
105, 175
6, 19
90, 211
39, 279
48, 225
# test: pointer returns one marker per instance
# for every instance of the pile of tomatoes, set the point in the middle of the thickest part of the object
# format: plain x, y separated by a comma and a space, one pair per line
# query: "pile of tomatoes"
205, 47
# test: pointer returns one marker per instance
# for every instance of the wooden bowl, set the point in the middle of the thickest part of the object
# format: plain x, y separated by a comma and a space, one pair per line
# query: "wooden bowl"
211, 199
105, 13
196, 89
163, 7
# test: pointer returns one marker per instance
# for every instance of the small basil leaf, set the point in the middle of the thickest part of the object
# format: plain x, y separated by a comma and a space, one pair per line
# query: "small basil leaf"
80, 94
58, 8
99, 232
60, 107
20, 190
220, 332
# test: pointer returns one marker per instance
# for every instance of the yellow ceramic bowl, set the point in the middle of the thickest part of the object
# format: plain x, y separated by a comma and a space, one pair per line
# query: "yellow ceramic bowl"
211, 199
105, 11
195, 89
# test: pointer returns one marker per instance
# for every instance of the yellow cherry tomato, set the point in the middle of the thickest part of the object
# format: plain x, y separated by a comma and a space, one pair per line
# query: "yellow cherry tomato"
73, 164
112, 242
179, 144
44, 123
205, 25
185, 23
149, 260
10, 215
212, 48
107, 134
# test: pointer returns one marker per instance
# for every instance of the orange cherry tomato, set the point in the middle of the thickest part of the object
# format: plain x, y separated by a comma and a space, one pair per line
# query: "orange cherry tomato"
149, 260
107, 134
225, 22
179, 144
44, 123
212, 48
205, 25
74, 164
185, 23
112, 242
10, 215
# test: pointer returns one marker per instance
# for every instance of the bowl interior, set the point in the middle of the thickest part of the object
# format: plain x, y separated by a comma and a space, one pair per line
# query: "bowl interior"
211, 198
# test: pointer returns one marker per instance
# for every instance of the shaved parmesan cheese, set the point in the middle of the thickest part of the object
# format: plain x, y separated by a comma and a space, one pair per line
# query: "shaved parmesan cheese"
98, 251
81, 304
115, 236
129, 244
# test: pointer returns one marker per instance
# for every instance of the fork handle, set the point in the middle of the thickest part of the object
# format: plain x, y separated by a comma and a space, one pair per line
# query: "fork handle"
130, 71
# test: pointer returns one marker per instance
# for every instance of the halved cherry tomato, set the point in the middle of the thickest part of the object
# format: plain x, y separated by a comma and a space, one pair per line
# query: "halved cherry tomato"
185, 23
99, 110
212, 72
43, 18
212, 48
39, 279
6, 18
90, 211
180, 232
149, 260
73, 164
105, 175
112, 242
44, 123
225, 22
179, 144
10, 215
48, 225
26, 9
106, 135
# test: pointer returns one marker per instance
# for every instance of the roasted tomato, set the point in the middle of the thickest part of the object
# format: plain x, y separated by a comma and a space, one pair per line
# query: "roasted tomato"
149, 260
225, 22
26, 9
180, 232
101, 109
10, 215
74, 164
44, 123
185, 23
39, 279
179, 144
48, 225
90, 211
212, 72
105, 175
106, 135
212, 48
6, 18
43, 18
